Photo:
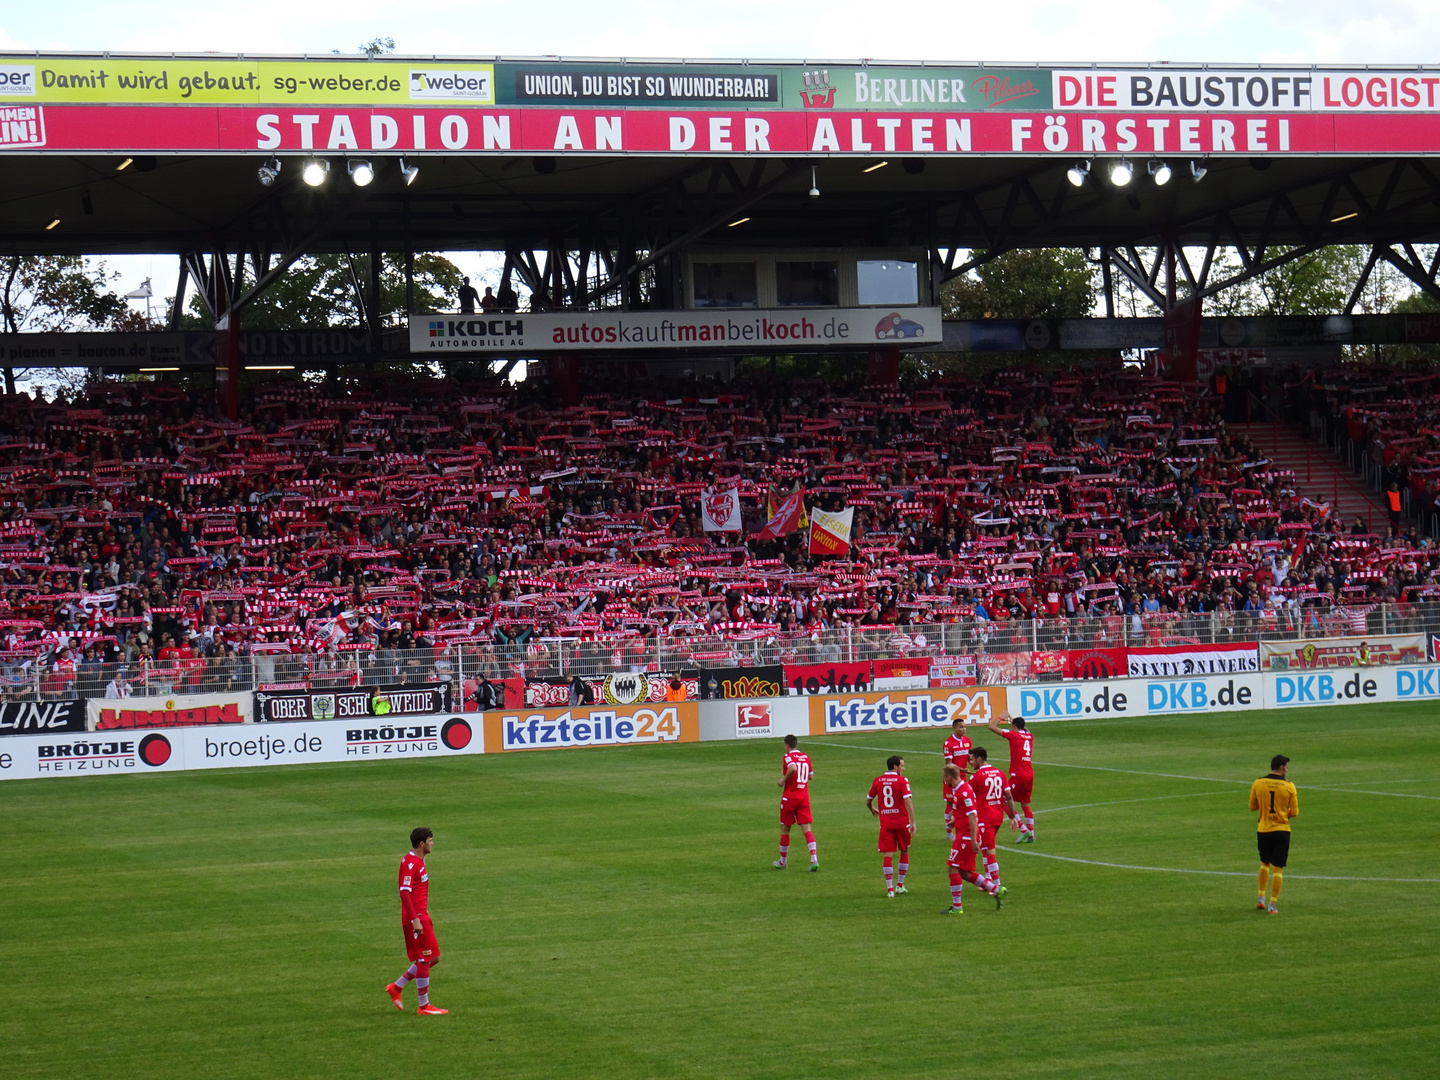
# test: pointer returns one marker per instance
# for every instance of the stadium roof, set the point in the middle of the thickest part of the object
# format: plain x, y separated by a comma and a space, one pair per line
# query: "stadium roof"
605, 154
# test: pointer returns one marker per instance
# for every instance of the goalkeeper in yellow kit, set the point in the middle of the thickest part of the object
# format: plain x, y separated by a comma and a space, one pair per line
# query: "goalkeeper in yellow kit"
1274, 798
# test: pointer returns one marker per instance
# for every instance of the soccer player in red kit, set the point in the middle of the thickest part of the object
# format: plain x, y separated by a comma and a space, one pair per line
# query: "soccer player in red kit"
992, 795
956, 751
962, 850
421, 948
795, 774
1022, 769
897, 820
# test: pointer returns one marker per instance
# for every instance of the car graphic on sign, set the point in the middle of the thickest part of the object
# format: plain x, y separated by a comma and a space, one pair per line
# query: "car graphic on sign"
896, 326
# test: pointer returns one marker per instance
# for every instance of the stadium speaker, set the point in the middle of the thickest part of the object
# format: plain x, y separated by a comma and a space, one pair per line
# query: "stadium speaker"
543, 165
913, 165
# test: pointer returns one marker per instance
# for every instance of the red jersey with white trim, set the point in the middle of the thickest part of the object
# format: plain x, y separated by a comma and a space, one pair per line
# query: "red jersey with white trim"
960, 802
957, 751
797, 784
991, 788
890, 790
414, 887
1020, 746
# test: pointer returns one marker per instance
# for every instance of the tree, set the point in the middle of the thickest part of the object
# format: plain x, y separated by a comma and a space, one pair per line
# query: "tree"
60, 293
319, 290
1039, 283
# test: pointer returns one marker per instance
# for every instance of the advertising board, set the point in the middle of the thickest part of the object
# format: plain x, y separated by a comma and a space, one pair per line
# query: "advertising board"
238, 746
1135, 697
1342, 652
901, 709
41, 717
584, 725
176, 710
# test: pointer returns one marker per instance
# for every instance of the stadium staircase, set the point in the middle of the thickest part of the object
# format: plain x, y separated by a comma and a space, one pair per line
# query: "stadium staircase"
1320, 474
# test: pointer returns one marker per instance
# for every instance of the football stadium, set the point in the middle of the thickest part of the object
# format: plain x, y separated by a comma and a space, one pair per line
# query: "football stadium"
837, 567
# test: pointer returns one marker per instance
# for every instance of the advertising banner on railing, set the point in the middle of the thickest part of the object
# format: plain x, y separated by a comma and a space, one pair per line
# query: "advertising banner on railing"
629, 331
360, 702
827, 678
742, 682
1147, 661
904, 710
213, 747
616, 725
177, 710
1342, 652
40, 717
1079, 663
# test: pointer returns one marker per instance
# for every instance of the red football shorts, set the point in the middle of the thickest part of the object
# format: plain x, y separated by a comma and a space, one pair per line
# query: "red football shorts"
894, 839
1021, 786
795, 811
987, 836
424, 946
962, 855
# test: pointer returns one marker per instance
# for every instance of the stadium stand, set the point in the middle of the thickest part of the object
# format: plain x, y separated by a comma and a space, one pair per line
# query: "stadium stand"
403, 532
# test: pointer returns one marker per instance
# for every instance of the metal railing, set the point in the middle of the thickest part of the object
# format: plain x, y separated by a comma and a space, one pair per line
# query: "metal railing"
551, 659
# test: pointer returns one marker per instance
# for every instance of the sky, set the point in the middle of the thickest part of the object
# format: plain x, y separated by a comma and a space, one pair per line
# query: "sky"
1216, 31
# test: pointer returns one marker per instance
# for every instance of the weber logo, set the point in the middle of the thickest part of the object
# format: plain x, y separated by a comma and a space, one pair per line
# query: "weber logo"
22, 127
17, 80
431, 84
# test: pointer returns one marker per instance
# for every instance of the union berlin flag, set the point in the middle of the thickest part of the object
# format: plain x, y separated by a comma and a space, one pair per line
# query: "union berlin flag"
785, 518
720, 510
830, 533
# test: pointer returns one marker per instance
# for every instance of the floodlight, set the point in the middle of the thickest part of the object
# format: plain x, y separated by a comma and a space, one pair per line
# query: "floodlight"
408, 171
1160, 173
1197, 171
268, 172
1121, 173
361, 173
315, 172
1078, 172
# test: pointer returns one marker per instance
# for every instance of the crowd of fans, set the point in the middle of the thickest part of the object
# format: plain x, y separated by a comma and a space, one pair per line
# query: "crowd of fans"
413, 518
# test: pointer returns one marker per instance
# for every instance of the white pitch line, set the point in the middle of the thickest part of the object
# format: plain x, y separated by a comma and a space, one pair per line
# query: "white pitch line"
1218, 873
1167, 776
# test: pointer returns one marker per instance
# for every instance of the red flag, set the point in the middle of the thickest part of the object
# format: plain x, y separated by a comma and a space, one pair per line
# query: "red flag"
785, 518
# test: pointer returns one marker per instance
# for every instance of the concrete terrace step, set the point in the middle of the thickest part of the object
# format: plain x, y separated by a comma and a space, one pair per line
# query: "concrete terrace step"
1319, 474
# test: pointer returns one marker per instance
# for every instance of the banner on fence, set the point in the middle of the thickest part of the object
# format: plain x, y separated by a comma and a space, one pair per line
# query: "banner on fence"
39, 717
951, 671
380, 702
1181, 660
619, 689
827, 678
1342, 652
1002, 669
177, 710
611, 725
213, 747
899, 710
738, 682
1094, 663
902, 673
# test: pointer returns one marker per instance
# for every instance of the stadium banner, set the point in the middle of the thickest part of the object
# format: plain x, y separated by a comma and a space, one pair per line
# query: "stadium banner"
360, 702
1094, 663
174, 711
618, 689
1342, 652
174, 750
1433, 651
827, 678
902, 710
42, 717
460, 128
628, 331
1135, 697
1256, 90
1180, 660
951, 671
613, 725
903, 673
742, 682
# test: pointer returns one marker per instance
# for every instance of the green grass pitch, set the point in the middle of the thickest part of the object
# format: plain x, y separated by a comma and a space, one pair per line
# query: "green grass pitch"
613, 913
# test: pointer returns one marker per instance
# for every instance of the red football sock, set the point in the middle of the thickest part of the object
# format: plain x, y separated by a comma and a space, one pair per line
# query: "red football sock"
403, 979
957, 884
985, 883
784, 847
810, 843
889, 874
904, 869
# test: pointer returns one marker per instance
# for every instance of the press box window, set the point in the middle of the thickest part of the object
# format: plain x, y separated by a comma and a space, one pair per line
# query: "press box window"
887, 281
807, 284
725, 285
